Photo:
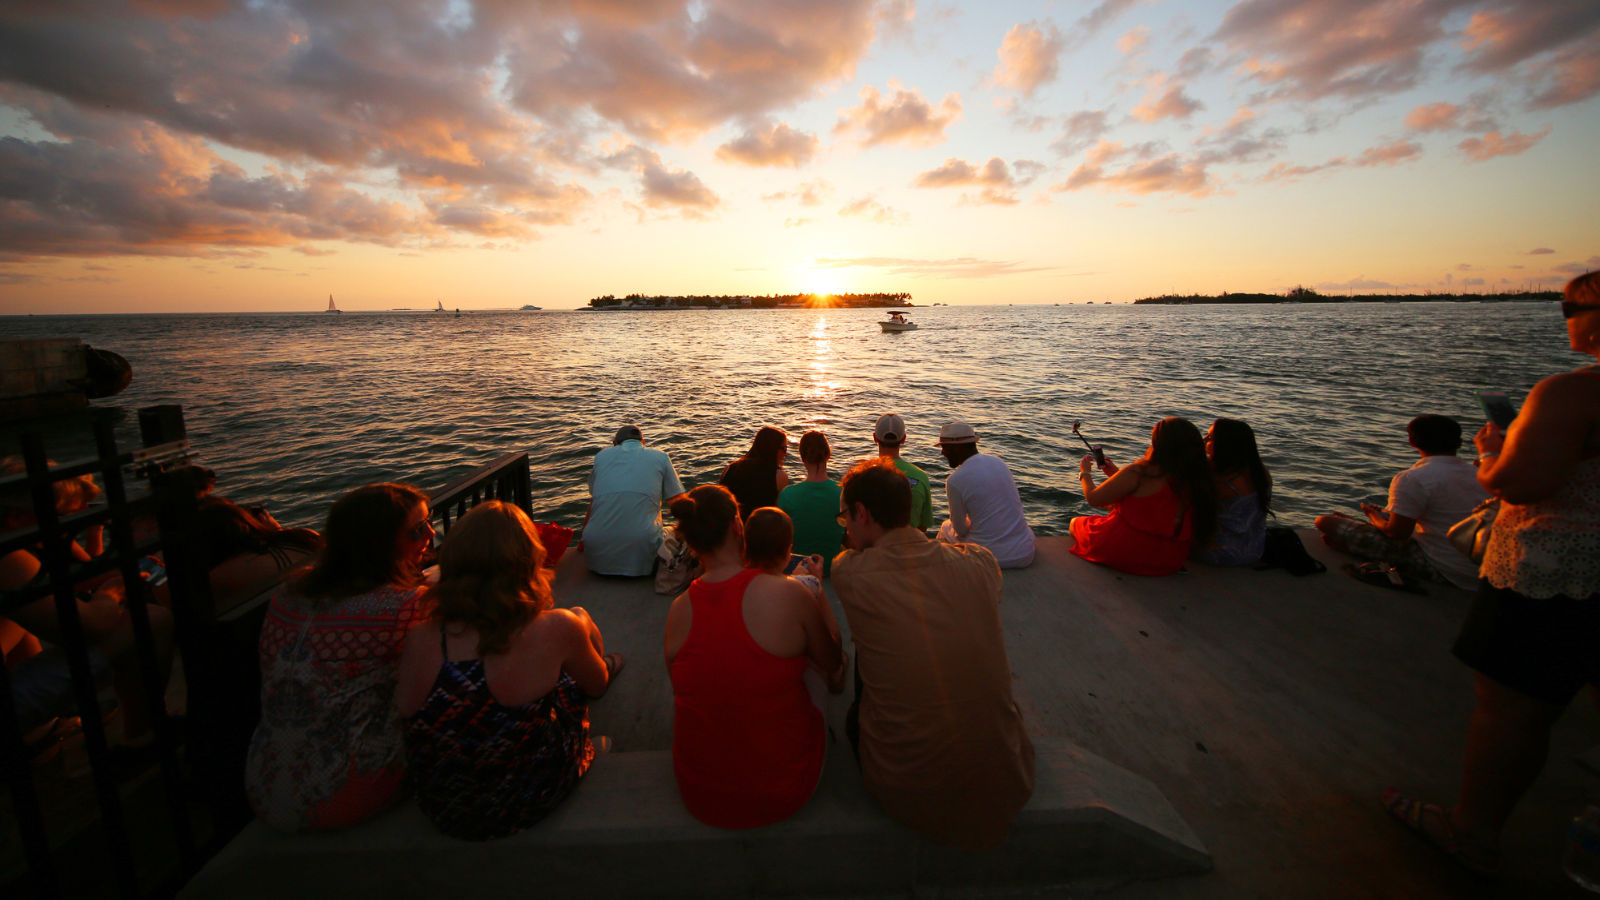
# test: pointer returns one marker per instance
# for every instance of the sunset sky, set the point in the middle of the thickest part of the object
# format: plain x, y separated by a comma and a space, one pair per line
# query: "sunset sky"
207, 155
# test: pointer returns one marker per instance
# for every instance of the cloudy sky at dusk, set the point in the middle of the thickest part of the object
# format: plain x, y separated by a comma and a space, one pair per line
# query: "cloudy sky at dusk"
174, 155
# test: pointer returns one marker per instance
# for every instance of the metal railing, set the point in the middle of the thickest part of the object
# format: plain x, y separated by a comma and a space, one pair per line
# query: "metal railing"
212, 764
63, 580
506, 479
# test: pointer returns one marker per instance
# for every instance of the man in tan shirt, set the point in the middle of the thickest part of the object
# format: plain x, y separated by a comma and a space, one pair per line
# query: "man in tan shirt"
941, 742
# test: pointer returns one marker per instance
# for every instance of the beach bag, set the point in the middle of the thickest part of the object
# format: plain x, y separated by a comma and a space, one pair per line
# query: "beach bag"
677, 566
1284, 550
1471, 535
556, 539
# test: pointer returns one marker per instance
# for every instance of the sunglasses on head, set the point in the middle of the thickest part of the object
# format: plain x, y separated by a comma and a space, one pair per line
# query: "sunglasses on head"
1570, 309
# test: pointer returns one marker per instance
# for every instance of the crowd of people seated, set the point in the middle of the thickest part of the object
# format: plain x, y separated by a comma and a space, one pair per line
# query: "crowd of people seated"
471, 689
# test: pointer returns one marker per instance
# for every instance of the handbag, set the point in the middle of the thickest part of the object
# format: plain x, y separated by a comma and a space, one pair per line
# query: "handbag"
1471, 535
677, 565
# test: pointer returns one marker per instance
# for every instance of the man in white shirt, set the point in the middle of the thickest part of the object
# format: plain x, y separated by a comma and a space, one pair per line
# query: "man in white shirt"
1438, 491
985, 507
622, 530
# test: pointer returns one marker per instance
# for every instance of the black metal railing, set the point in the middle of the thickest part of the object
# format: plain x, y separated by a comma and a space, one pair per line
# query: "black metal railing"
506, 479
65, 582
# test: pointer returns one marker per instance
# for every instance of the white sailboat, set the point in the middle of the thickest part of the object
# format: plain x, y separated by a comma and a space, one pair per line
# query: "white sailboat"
441, 306
331, 308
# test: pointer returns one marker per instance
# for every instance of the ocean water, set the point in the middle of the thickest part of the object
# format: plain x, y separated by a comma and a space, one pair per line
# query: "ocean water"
293, 409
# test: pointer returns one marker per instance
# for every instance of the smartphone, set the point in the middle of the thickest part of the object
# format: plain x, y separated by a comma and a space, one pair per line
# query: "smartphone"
1497, 406
1099, 456
794, 561
152, 571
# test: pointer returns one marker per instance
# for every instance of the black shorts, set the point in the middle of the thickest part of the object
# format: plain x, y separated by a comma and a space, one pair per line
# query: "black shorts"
1547, 649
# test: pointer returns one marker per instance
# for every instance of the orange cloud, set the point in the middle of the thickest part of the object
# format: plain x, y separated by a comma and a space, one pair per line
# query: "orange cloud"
1433, 117
1169, 174
1391, 154
906, 119
1493, 144
1171, 104
995, 179
1028, 57
870, 209
775, 145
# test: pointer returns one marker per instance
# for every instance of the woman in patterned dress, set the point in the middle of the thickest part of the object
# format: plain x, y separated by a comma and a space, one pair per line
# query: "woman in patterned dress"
328, 751
495, 685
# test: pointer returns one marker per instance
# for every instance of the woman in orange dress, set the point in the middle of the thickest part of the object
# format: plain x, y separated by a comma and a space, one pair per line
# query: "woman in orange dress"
1160, 505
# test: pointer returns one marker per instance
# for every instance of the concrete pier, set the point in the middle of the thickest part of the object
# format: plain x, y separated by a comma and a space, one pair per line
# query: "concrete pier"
1255, 715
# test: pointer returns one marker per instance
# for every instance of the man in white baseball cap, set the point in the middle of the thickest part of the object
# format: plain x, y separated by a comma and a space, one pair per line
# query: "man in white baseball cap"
985, 507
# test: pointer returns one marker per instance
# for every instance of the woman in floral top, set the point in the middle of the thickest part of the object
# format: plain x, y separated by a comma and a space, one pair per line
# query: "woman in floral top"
329, 751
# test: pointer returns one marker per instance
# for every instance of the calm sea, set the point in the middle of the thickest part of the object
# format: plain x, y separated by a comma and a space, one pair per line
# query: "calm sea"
293, 409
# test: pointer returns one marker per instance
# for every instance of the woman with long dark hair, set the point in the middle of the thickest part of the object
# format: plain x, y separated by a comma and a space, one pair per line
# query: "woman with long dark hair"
328, 751
749, 654
1161, 504
1244, 496
246, 550
757, 477
495, 686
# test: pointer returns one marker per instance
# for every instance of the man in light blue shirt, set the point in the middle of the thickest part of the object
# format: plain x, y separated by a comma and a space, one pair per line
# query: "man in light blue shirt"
626, 486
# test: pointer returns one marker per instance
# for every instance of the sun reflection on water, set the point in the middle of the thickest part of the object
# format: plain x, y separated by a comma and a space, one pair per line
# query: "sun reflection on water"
821, 386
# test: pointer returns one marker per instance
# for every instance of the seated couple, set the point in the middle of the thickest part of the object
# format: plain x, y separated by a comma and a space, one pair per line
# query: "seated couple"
1186, 497
742, 644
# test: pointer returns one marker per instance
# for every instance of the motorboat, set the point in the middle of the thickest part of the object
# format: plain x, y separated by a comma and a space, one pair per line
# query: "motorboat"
897, 321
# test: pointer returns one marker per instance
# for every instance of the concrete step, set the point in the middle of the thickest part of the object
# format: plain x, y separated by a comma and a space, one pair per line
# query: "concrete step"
625, 833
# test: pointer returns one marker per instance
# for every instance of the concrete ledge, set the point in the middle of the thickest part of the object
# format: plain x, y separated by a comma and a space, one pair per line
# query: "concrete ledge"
625, 833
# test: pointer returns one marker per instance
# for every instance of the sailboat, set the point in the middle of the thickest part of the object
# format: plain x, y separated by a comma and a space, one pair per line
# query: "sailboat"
441, 307
331, 308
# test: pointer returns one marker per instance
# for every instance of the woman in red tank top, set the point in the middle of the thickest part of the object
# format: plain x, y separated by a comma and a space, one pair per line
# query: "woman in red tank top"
747, 739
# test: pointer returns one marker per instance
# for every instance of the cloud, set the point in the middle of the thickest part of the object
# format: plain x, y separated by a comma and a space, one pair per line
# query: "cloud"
1360, 283
1134, 40
311, 250
807, 193
1550, 47
995, 181
774, 145
1391, 154
957, 267
1169, 174
1493, 144
906, 119
1580, 268
870, 209
1312, 49
1028, 55
796, 222
1082, 129
455, 114
1540, 251
153, 194
1433, 117
1095, 20
663, 188
1172, 103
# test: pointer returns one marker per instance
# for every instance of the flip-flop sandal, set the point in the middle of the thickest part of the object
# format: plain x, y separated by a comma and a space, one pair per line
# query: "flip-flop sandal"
614, 664
1477, 858
1379, 575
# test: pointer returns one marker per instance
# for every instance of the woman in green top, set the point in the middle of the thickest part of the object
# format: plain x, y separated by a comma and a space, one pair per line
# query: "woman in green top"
813, 504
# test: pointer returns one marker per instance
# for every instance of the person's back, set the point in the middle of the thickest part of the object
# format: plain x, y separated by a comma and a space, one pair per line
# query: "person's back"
627, 484
983, 490
814, 507
943, 746
1438, 492
495, 687
942, 743
747, 740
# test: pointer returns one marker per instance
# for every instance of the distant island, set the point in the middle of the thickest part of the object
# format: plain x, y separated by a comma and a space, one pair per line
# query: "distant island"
746, 301
1307, 295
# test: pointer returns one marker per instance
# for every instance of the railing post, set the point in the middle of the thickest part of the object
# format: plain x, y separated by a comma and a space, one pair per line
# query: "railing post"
138, 595
56, 557
25, 796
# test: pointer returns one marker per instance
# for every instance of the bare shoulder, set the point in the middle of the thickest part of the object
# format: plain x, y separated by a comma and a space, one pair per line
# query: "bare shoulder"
1578, 385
